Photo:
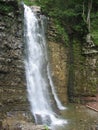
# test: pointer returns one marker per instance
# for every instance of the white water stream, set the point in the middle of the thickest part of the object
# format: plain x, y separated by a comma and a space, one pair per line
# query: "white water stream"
38, 72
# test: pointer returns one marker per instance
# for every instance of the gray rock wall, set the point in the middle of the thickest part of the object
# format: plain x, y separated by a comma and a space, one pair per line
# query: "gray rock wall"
85, 72
12, 73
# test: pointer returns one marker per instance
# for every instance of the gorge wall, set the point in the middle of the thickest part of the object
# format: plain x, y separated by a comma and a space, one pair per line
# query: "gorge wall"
58, 64
58, 54
85, 72
74, 27
12, 74
74, 70
74, 67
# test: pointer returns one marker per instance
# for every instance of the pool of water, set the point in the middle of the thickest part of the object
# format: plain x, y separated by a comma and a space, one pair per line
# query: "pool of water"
79, 117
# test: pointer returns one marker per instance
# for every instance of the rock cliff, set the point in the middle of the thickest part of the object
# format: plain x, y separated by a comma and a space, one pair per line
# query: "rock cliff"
12, 74
85, 69
75, 67
58, 58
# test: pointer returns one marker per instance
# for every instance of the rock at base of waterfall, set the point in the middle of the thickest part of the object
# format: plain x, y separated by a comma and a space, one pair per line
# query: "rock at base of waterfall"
38, 119
94, 127
46, 120
33, 127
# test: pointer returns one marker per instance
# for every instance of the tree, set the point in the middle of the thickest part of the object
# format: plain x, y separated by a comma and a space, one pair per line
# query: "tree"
71, 15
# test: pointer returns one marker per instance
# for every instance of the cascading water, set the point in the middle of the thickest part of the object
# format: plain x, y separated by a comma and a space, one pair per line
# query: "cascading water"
59, 105
37, 71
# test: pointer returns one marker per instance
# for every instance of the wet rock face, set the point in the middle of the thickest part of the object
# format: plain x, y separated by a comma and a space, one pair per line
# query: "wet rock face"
85, 73
12, 77
59, 71
75, 71
58, 62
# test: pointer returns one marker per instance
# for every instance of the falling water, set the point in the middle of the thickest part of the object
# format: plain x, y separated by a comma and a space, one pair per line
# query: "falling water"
37, 71
59, 105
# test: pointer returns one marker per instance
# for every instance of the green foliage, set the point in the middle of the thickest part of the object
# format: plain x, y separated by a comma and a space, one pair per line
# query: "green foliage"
4, 8
95, 36
67, 14
46, 127
61, 34
29, 2
68, 17
94, 27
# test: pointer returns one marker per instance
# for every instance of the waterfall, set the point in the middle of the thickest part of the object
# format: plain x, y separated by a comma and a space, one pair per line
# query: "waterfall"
59, 105
37, 70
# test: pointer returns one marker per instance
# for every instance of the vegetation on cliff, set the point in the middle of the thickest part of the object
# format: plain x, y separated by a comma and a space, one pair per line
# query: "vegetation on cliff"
7, 7
76, 24
76, 18
71, 18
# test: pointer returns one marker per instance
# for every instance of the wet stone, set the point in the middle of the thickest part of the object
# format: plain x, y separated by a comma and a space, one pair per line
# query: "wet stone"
46, 120
38, 119
94, 127
0, 124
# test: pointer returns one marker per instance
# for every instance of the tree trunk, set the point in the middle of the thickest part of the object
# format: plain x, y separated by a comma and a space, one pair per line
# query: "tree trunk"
87, 20
88, 15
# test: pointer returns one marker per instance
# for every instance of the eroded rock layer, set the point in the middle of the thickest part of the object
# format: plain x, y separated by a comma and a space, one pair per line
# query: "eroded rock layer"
12, 74
58, 63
